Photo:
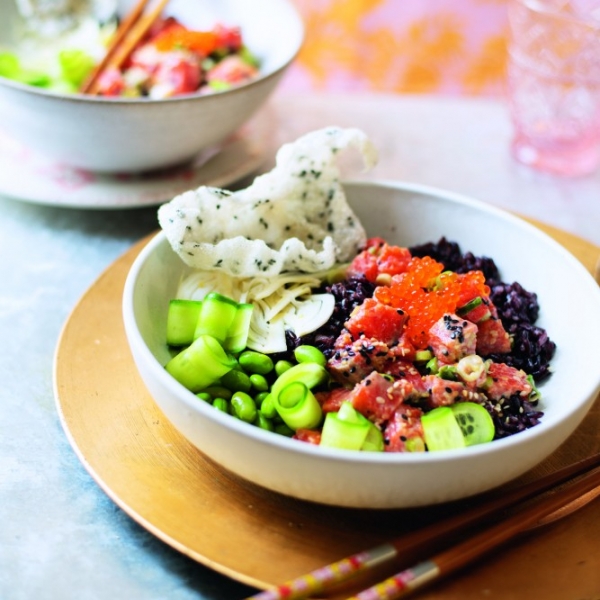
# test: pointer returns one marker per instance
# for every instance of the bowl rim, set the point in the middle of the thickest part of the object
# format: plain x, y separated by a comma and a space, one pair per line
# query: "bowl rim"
78, 97
284, 444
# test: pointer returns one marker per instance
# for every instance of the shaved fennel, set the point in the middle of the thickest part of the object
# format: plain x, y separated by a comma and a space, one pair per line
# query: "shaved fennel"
280, 303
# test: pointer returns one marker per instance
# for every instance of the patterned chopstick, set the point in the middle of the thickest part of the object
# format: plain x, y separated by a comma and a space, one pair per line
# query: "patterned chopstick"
340, 571
476, 546
323, 578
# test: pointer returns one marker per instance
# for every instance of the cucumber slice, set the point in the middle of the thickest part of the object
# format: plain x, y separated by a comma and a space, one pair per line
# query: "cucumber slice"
216, 316
237, 335
298, 407
475, 422
457, 426
200, 365
441, 429
182, 318
373, 441
338, 433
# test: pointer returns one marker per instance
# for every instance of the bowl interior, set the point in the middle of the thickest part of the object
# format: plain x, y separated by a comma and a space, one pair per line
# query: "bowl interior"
407, 215
272, 29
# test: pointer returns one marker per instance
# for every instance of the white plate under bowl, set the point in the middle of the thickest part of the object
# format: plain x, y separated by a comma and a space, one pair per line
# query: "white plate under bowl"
28, 176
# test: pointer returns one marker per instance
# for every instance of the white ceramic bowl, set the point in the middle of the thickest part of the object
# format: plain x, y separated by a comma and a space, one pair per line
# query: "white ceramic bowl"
128, 135
405, 214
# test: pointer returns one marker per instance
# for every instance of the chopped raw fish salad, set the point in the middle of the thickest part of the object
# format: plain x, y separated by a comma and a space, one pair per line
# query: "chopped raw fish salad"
174, 60
370, 346
170, 60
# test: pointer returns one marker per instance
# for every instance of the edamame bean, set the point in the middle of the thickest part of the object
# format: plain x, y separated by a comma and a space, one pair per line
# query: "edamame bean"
281, 366
259, 382
204, 396
243, 407
283, 429
218, 391
310, 354
267, 407
221, 404
264, 423
255, 362
258, 399
236, 381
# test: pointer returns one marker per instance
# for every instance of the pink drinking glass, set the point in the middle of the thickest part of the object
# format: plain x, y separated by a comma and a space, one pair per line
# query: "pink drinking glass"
554, 84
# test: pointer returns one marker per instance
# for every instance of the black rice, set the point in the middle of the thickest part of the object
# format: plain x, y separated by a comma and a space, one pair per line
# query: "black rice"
512, 415
532, 349
348, 294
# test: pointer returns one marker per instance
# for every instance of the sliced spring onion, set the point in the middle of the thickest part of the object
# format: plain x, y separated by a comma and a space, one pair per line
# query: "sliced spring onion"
470, 367
447, 372
432, 366
201, 364
182, 318
423, 356
469, 306
535, 394
298, 407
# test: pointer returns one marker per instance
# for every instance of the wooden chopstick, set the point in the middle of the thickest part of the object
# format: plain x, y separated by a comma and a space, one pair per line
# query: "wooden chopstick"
340, 571
89, 86
476, 546
129, 33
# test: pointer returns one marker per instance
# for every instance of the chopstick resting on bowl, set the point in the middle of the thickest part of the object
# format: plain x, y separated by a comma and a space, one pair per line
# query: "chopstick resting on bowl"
131, 30
457, 556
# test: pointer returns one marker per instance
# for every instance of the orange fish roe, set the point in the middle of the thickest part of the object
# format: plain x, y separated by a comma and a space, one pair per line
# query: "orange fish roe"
426, 292
178, 37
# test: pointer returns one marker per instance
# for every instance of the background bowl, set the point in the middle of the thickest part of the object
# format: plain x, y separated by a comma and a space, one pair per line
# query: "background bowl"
403, 214
123, 135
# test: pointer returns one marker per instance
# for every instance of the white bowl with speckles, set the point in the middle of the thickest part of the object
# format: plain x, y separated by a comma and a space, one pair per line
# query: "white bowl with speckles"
132, 135
406, 215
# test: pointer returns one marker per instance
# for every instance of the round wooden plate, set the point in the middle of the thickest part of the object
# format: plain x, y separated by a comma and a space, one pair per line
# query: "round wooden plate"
261, 538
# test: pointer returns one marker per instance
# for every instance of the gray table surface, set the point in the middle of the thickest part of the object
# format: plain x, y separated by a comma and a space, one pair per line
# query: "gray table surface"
61, 537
